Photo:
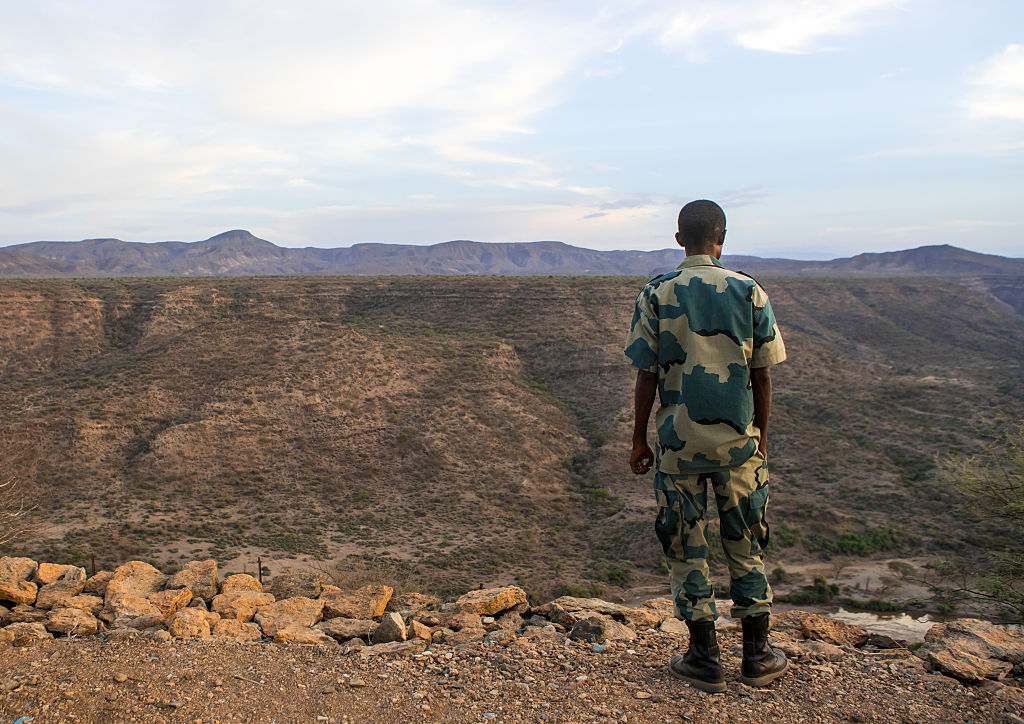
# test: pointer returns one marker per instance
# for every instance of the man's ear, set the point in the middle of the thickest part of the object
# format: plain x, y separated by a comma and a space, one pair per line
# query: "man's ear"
678, 241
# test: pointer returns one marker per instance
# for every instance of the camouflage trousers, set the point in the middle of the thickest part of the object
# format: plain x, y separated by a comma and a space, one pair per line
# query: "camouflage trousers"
742, 497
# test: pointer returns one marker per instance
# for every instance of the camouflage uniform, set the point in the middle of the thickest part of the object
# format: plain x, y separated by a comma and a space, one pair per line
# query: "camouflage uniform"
702, 328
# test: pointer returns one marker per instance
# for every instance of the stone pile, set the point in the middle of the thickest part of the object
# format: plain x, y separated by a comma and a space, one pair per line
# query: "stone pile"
41, 600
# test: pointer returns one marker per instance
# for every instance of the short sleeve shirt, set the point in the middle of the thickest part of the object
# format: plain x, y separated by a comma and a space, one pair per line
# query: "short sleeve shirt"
702, 328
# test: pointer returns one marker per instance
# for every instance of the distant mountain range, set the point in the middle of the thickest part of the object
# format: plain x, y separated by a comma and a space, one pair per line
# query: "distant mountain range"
239, 253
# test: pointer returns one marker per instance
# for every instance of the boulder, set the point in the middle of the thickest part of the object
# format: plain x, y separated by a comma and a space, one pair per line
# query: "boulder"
409, 604
366, 602
198, 603
396, 648
147, 620
18, 592
72, 621
238, 630
637, 618
124, 608
171, 601
508, 621
832, 631
491, 601
346, 629
462, 619
4, 613
6, 638
456, 638
200, 577
417, 630
972, 650
431, 618
598, 628
240, 582
556, 614
661, 607
189, 623
240, 605
96, 584
134, 578
48, 573
85, 602
391, 628
17, 569
25, 614
300, 611
56, 593
295, 634
293, 585
674, 626
26, 634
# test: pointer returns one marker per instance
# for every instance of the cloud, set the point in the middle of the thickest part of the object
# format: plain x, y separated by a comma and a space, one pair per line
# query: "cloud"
1000, 86
776, 26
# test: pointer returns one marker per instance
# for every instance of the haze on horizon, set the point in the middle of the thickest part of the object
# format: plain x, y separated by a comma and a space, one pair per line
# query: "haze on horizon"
825, 128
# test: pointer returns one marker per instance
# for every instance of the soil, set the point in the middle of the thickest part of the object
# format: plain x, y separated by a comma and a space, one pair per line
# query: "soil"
206, 680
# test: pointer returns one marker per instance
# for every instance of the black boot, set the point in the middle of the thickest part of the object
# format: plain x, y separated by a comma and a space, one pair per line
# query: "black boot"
761, 663
700, 665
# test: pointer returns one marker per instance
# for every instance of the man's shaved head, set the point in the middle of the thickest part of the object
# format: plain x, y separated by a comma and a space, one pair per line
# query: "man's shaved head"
701, 224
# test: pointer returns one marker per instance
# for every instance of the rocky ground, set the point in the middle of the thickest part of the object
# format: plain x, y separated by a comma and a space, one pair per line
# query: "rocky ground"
136, 645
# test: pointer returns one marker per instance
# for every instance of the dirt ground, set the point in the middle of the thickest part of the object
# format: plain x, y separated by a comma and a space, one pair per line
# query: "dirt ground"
207, 681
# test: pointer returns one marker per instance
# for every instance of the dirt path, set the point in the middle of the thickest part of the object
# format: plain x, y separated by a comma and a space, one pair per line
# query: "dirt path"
92, 680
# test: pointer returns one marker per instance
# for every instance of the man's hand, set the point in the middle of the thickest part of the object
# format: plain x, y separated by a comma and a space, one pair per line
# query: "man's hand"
642, 458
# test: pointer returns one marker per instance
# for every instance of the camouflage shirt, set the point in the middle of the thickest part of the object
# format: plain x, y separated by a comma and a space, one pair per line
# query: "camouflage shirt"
701, 328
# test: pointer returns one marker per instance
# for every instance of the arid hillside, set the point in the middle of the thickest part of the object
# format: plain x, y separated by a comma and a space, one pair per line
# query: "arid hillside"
445, 432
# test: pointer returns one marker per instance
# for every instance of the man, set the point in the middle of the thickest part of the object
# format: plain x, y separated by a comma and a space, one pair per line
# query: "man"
703, 337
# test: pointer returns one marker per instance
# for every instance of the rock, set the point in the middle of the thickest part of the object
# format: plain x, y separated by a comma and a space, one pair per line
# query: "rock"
456, 638
832, 631
431, 618
25, 614
56, 593
48, 573
972, 650
85, 602
397, 648
417, 630
501, 636
160, 636
200, 577
346, 629
26, 634
391, 628
295, 634
546, 633
188, 623
147, 620
674, 626
637, 618
240, 605
661, 607
170, 601
509, 621
881, 641
96, 584
6, 638
13, 570
462, 619
365, 602
556, 614
134, 578
119, 610
234, 629
23, 592
299, 611
597, 628
491, 601
198, 603
409, 604
821, 650
294, 585
350, 646
4, 613
240, 582
72, 621
121, 635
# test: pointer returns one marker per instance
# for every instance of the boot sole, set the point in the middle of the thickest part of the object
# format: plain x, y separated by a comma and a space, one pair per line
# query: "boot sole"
707, 686
760, 681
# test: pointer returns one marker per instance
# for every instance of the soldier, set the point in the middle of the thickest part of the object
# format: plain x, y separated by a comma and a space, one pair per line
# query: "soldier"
703, 337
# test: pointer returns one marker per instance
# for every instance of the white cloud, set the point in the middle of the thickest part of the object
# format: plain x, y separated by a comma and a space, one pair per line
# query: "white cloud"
1000, 86
777, 26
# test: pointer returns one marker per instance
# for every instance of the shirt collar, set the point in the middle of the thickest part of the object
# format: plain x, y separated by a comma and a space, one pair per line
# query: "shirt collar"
700, 260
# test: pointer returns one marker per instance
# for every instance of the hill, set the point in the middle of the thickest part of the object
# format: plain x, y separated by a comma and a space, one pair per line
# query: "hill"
451, 431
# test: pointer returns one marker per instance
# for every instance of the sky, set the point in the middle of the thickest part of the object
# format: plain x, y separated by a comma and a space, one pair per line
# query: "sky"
824, 128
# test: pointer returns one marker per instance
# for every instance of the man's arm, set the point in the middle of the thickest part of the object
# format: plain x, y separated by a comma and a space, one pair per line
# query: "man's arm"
642, 457
761, 385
